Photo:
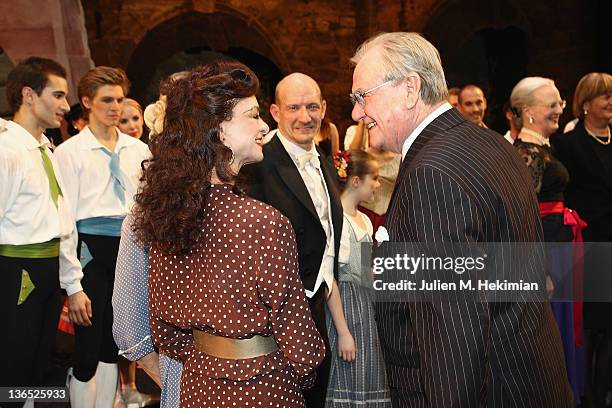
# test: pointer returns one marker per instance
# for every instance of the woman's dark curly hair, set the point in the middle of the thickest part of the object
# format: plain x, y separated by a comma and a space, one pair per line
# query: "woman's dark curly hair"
169, 208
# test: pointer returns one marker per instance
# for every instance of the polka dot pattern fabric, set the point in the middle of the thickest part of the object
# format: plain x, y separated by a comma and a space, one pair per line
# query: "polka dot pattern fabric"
241, 279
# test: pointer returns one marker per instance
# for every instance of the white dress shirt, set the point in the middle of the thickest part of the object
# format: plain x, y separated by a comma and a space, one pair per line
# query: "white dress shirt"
89, 184
28, 214
317, 188
508, 137
417, 131
269, 136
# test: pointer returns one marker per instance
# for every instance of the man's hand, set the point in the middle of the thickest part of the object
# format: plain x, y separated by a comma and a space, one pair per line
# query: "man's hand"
79, 309
150, 365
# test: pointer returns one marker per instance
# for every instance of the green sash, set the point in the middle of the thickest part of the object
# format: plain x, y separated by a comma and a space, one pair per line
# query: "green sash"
49, 249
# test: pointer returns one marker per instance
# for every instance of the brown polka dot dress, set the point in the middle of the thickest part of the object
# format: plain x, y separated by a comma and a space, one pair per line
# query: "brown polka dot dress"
240, 280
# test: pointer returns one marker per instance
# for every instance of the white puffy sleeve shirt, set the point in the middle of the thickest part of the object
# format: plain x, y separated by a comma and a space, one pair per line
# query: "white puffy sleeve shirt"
85, 168
28, 214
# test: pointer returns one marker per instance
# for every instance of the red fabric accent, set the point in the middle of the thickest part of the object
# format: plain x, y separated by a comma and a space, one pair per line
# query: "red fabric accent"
551, 207
577, 224
375, 219
65, 325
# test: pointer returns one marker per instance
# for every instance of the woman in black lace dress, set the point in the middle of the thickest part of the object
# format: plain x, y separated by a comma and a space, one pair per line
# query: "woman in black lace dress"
537, 105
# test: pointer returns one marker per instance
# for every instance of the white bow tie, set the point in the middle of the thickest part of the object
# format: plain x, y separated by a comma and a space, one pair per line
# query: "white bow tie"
303, 159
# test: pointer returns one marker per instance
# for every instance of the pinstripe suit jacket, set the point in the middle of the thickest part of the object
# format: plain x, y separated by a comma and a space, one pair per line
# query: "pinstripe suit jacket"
462, 183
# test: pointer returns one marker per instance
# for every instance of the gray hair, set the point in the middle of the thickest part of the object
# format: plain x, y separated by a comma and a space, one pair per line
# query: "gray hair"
406, 53
522, 95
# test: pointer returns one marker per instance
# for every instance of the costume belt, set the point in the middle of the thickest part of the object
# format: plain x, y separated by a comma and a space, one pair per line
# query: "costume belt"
233, 349
105, 226
49, 249
551, 207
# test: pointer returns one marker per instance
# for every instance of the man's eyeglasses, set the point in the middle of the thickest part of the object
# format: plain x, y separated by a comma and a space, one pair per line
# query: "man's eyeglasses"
359, 96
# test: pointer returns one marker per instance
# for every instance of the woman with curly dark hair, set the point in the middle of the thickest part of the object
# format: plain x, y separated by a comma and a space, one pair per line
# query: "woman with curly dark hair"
225, 297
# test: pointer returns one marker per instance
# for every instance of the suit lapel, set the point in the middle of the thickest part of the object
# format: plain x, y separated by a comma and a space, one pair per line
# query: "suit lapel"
332, 189
442, 123
290, 175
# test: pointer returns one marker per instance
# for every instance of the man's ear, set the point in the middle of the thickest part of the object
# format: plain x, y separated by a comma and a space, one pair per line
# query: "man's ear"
412, 86
275, 111
27, 95
323, 108
86, 102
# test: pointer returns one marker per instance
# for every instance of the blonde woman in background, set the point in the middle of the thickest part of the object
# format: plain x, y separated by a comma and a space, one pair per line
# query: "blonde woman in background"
154, 114
537, 106
587, 153
131, 121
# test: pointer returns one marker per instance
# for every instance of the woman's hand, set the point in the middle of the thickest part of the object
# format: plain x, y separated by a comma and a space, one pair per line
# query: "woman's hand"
150, 365
346, 347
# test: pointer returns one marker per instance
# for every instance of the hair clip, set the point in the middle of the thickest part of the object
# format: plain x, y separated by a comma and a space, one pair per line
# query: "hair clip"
342, 161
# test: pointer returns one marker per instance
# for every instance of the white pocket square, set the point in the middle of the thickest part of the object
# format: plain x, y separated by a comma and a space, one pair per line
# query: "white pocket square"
381, 234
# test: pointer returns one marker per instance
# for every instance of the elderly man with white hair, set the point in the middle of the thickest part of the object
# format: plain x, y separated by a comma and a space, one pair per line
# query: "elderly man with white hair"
457, 184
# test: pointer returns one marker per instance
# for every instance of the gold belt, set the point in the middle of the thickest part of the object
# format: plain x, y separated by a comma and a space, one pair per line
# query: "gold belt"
234, 349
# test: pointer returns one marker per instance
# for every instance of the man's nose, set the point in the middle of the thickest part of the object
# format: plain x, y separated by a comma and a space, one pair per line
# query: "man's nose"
303, 115
65, 106
357, 113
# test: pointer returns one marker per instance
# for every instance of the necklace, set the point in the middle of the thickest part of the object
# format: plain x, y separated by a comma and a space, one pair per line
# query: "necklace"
540, 139
598, 137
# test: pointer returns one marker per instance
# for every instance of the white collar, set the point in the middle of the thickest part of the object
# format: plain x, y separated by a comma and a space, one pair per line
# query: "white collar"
541, 140
293, 149
25, 138
90, 142
417, 131
359, 232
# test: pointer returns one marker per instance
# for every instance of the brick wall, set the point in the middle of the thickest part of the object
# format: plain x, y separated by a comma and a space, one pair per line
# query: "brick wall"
318, 37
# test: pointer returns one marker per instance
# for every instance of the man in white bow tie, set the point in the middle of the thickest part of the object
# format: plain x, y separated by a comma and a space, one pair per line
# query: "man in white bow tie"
296, 178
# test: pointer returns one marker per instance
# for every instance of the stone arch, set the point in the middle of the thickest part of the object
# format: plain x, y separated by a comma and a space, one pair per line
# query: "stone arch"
484, 43
451, 22
219, 31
